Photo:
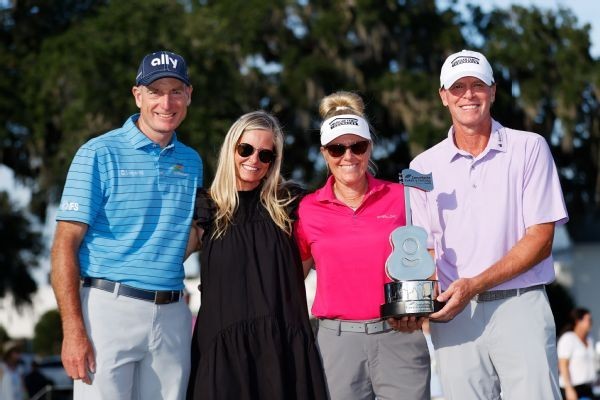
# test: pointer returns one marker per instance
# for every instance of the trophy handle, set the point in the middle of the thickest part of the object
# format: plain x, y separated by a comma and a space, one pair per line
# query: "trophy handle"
409, 259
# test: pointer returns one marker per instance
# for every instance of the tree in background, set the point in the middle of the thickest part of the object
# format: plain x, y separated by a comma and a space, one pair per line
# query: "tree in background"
48, 334
19, 251
66, 71
3, 337
550, 84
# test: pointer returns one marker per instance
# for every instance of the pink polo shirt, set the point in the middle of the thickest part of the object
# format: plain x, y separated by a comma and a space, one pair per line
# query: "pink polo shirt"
481, 206
349, 247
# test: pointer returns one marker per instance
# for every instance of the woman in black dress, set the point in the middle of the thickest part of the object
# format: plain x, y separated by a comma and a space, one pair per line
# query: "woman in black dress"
252, 338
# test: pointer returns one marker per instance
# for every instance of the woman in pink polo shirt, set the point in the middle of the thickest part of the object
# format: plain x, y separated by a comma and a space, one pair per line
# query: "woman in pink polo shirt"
343, 232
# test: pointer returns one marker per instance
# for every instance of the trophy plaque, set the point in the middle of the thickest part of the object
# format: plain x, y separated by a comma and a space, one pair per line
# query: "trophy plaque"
410, 265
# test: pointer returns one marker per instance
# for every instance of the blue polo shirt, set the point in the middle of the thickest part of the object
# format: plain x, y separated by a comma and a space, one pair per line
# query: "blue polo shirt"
138, 201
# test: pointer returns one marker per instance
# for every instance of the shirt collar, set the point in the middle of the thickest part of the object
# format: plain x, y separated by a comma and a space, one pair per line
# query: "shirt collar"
497, 142
137, 138
326, 194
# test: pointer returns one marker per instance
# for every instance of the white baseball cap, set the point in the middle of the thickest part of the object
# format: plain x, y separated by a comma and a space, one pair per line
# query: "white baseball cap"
466, 63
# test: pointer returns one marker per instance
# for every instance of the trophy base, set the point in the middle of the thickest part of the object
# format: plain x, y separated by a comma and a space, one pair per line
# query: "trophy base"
409, 298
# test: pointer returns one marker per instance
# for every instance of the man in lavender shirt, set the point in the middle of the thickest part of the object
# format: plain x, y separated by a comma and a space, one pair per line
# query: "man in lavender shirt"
490, 221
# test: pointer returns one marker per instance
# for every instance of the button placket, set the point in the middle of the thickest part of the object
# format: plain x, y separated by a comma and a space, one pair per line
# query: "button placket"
473, 174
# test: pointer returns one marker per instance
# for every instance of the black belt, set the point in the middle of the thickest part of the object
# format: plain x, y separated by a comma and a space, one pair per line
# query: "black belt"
492, 295
154, 296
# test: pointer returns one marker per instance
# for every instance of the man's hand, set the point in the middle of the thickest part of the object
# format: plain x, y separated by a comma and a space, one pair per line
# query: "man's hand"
406, 323
456, 297
78, 356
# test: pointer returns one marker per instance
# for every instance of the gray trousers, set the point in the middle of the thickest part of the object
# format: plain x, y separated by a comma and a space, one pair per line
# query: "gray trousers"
388, 365
506, 346
142, 349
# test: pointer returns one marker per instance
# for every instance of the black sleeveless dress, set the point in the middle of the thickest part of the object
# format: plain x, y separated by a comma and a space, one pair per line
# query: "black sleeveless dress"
252, 338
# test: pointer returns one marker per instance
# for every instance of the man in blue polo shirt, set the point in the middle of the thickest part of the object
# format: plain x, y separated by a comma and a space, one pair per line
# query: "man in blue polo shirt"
124, 229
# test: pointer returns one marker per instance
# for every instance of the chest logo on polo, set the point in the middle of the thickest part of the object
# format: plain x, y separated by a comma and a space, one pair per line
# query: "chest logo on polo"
178, 169
131, 172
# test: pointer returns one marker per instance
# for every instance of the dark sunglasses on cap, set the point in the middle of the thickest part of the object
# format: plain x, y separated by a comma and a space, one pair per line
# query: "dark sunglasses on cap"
264, 155
338, 149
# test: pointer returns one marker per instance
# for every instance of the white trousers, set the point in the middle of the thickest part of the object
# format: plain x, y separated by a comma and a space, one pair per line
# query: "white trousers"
506, 346
142, 349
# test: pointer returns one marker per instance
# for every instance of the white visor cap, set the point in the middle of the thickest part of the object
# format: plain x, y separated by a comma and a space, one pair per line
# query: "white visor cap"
344, 124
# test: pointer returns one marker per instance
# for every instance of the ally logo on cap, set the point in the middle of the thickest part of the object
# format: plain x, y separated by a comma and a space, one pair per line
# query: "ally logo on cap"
162, 64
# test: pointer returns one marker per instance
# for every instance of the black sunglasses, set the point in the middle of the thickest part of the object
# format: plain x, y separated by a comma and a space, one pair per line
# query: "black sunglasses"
338, 149
264, 155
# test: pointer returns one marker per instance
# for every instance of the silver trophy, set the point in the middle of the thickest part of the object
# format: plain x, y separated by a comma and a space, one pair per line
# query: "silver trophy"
410, 264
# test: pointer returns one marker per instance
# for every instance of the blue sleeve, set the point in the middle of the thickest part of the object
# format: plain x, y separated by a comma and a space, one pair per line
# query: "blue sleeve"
83, 192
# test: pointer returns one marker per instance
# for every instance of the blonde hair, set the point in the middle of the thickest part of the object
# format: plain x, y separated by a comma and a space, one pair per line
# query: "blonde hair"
343, 102
273, 195
339, 103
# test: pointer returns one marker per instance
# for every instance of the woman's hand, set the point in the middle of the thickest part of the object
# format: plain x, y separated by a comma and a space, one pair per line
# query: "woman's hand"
406, 323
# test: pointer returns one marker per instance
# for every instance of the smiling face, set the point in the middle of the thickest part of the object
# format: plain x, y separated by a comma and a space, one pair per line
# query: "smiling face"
469, 101
249, 171
163, 106
350, 169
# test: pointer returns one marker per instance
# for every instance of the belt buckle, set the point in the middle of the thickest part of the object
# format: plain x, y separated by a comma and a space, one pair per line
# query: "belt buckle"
369, 325
376, 327
163, 297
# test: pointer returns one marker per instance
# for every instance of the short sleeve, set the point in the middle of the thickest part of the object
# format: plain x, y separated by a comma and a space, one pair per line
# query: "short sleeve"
565, 347
83, 192
302, 240
542, 195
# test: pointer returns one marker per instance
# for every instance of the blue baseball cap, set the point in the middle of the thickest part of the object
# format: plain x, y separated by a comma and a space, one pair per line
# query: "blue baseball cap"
162, 64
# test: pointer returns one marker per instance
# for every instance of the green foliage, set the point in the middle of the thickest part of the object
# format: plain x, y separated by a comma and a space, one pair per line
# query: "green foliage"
48, 334
19, 251
3, 336
67, 68
549, 85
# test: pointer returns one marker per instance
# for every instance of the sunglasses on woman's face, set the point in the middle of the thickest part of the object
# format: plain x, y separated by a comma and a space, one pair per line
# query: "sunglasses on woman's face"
264, 155
337, 150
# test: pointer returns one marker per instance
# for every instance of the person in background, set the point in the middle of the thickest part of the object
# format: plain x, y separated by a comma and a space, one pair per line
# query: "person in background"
343, 231
124, 229
252, 338
490, 221
35, 381
11, 378
576, 357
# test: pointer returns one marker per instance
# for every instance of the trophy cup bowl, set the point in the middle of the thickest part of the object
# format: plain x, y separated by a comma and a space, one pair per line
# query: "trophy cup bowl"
409, 298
